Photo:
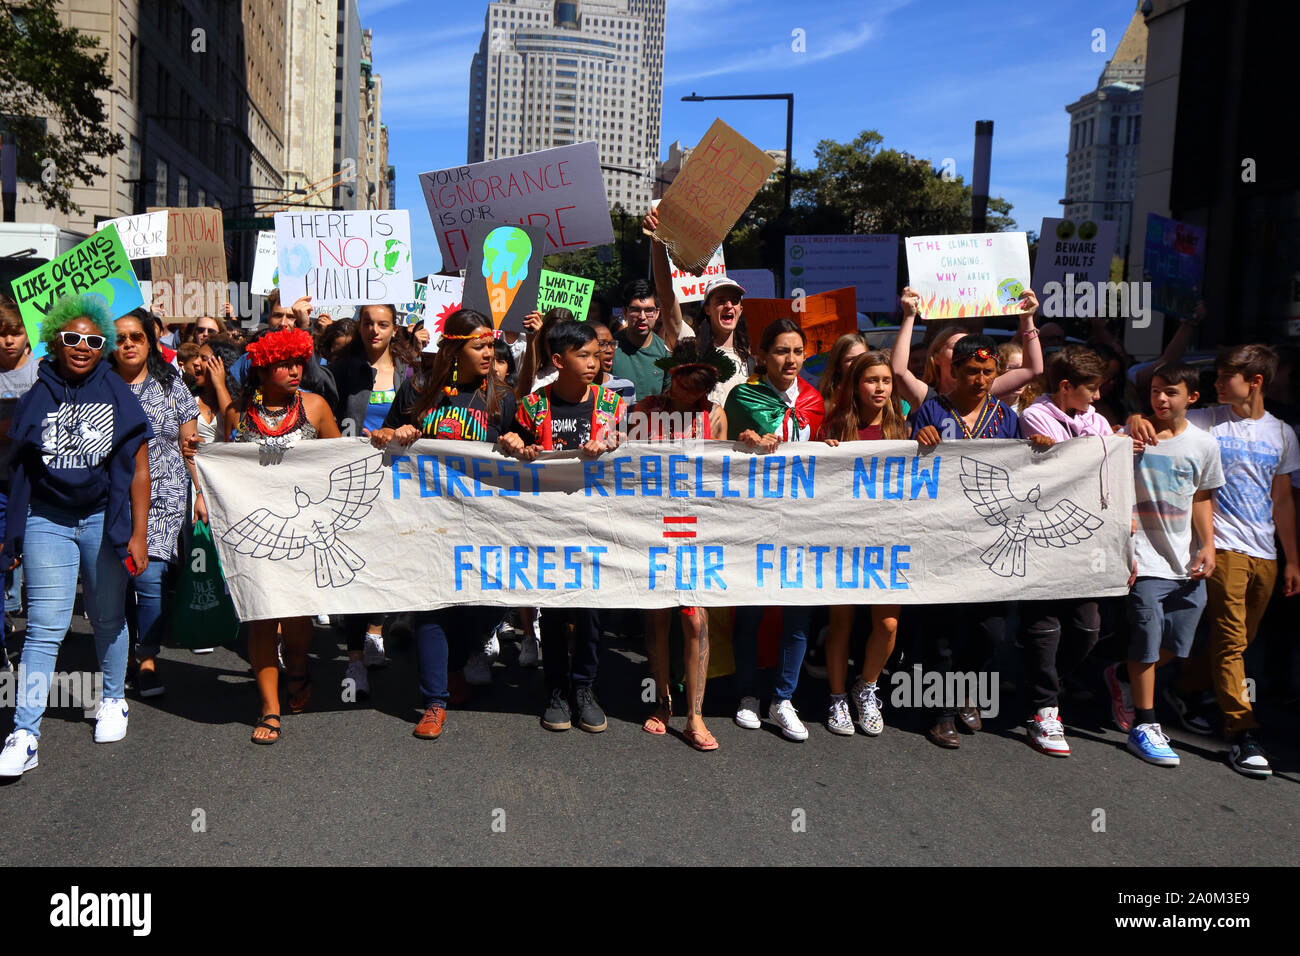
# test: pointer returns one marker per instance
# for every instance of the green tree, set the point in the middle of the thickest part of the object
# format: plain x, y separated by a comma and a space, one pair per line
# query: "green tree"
50, 78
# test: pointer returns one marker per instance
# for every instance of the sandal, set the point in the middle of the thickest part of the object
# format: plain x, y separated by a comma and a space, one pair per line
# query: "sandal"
265, 723
654, 724
704, 741
301, 699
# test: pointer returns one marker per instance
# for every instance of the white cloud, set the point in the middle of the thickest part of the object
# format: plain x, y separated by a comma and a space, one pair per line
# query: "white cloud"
780, 55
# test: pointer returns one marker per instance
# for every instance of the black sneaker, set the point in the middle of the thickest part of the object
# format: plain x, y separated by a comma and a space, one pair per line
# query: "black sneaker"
1248, 757
1191, 714
590, 717
556, 715
147, 684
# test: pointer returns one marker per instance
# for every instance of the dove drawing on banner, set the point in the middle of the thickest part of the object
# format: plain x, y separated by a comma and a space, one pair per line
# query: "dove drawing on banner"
1021, 519
315, 524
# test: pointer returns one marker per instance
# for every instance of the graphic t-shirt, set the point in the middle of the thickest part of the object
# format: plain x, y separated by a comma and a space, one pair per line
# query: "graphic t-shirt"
1168, 476
1253, 451
568, 424
459, 417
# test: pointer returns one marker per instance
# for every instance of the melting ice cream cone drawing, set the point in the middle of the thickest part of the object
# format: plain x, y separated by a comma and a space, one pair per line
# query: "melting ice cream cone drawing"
506, 251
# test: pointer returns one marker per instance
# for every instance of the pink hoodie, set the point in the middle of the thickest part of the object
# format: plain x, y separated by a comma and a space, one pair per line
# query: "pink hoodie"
1044, 417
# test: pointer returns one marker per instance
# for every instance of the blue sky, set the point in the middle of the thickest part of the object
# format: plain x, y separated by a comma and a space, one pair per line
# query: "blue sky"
921, 73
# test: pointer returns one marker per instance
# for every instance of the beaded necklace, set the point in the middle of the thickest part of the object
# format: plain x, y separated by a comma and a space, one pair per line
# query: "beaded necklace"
293, 416
990, 416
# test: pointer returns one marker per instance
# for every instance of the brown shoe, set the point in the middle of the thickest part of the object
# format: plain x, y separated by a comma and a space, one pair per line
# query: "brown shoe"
944, 733
457, 689
970, 718
430, 725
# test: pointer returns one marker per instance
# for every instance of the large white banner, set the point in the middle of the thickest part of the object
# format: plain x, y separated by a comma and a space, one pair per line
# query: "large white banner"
335, 526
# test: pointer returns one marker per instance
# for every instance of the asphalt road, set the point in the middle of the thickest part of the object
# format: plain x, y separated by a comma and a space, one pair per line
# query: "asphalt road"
348, 784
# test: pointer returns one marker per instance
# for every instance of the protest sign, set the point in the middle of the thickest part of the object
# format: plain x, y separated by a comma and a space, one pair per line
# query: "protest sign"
98, 266
649, 525
690, 288
505, 265
266, 265
968, 276
442, 297
190, 280
1072, 252
824, 316
715, 185
569, 292
760, 283
559, 190
143, 236
353, 257
867, 263
1173, 261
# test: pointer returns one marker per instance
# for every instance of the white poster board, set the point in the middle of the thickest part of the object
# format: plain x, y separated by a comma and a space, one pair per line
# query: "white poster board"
869, 264
266, 274
1072, 252
441, 298
143, 236
968, 276
690, 288
345, 257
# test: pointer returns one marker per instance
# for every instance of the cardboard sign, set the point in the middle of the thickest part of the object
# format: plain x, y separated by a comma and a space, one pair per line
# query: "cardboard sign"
724, 173
266, 265
190, 280
559, 190
1081, 248
1173, 261
823, 316
760, 283
345, 257
505, 265
690, 288
442, 297
144, 236
569, 292
867, 263
968, 276
98, 266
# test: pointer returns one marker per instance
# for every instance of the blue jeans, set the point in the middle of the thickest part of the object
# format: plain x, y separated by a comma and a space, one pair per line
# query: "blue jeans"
432, 651
144, 608
55, 545
744, 647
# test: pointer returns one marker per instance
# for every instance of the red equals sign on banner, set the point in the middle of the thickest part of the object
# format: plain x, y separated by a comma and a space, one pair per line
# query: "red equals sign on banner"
676, 531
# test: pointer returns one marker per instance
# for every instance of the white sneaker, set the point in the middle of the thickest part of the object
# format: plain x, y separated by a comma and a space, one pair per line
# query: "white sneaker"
788, 720
323, 620
492, 647
202, 650
478, 671
110, 720
19, 754
747, 713
529, 651
373, 655
867, 704
838, 720
1047, 733
360, 681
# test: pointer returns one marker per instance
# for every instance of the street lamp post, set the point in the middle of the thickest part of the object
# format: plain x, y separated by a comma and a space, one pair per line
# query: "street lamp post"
789, 125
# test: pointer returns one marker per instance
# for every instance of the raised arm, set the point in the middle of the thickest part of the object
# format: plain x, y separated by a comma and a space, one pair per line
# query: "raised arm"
670, 310
1008, 382
1174, 351
909, 386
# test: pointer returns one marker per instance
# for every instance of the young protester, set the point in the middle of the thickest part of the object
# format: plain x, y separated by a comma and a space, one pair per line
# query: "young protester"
683, 413
503, 363
1011, 356
172, 412
461, 399
637, 347
1258, 453
535, 370
971, 631
212, 384
274, 412
573, 413
368, 376
846, 348
1174, 540
78, 498
605, 342
1060, 634
938, 376
333, 342
863, 408
762, 413
205, 326
17, 375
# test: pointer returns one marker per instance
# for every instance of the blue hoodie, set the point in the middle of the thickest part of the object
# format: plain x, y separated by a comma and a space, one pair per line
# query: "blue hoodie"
74, 447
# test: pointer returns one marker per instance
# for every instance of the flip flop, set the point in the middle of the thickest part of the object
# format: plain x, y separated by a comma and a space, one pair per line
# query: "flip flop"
654, 724
700, 741
265, 722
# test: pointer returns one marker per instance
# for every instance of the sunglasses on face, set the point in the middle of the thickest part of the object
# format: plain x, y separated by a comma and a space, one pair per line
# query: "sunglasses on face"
138, 338
73, 339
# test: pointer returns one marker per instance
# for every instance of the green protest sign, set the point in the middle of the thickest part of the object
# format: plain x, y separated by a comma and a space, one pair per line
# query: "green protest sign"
99, 266
570, 292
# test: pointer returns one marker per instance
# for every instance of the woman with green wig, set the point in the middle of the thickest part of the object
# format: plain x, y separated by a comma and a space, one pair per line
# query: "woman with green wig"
78, 503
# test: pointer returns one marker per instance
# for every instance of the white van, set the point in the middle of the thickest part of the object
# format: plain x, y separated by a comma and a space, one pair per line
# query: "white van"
26, 245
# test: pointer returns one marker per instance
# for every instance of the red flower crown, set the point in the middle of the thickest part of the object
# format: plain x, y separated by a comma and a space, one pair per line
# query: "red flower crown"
279, 346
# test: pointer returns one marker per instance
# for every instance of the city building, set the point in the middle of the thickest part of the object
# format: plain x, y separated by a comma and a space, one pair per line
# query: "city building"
1105, 138
372, 169
310, 64
1214, 155
349, 192
667, 170
552, 73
